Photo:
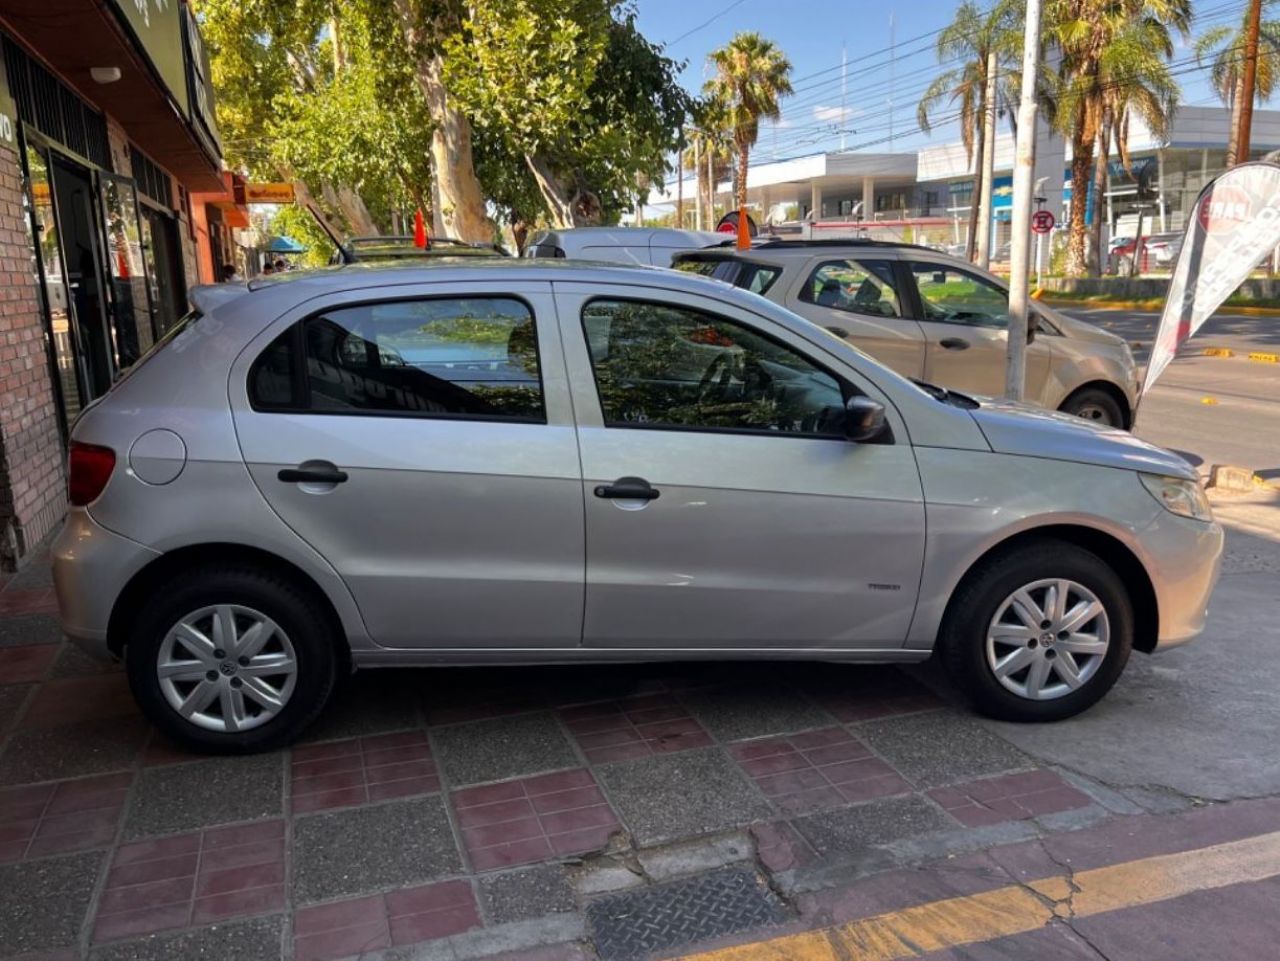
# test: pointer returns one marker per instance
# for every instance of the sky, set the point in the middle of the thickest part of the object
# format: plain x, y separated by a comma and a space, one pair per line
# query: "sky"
878, 109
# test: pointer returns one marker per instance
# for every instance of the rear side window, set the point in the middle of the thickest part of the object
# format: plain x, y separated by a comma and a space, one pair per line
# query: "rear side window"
446, 357
855, 286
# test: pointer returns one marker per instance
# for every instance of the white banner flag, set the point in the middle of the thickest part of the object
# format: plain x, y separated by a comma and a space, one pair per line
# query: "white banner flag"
1234, 224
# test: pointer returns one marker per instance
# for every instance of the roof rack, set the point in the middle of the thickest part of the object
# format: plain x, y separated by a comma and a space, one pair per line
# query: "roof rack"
782, 243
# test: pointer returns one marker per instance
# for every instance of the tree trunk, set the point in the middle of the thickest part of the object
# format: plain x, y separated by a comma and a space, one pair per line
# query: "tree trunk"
351, 206
554, 192
458, 201
307, 201
975, 200
1081, 172
1233, 135
744, 151
1097, 263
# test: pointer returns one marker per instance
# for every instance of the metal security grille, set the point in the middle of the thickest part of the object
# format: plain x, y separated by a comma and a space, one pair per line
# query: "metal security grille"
152, 181
54, 109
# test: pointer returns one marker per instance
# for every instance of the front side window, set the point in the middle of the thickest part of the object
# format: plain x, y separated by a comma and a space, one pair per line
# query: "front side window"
958, 297
856, 286
660, 366
469, 357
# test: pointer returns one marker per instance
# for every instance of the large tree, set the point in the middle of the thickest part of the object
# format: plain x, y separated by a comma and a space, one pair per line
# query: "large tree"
573, 92
1106, 46
314, 93
968, 41
1223, 47
751, 76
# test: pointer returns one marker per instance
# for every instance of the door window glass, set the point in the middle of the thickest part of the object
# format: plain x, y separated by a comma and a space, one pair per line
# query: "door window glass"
662, 366
472, 357
857, 286
132, 311
756, 278
959, 297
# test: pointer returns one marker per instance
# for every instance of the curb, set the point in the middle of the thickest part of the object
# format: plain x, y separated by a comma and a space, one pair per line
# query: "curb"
1146, 305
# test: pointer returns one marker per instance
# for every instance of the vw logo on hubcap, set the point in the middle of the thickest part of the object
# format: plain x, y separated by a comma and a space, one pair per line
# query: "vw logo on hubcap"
227, 667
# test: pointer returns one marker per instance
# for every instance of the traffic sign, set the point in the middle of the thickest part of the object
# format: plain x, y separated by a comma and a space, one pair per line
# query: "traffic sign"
1042, 221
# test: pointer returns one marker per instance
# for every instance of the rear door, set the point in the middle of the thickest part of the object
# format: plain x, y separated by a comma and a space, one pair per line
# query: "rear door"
965, 318
858, 298
421, 439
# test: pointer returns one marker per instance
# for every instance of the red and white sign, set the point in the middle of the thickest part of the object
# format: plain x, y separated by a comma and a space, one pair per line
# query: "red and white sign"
1236, 223
1042, 221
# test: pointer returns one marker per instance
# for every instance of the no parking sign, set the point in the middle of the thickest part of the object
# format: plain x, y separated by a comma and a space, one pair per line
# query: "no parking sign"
1042, 221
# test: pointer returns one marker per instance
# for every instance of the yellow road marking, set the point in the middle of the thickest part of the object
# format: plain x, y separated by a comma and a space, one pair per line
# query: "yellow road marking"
1208, 400
1219, 352
1264, 357
1016, 909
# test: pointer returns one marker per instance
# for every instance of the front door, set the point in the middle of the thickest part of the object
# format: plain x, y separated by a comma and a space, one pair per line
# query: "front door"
965, 319
725, 508
857, 298
423, 443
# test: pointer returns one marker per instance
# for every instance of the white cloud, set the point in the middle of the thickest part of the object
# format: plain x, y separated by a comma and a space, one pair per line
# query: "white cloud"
834, 114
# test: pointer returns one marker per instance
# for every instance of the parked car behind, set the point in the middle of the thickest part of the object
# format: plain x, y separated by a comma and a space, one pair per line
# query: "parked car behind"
929, 317
511, 461
647, 246
1158, 252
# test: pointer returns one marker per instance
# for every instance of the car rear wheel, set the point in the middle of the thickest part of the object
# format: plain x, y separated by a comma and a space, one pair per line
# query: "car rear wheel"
231, 660
1039, 633
1094, 404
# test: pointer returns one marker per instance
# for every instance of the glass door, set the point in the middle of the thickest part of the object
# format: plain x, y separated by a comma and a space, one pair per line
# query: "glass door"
68, 359
162, 256
132, 313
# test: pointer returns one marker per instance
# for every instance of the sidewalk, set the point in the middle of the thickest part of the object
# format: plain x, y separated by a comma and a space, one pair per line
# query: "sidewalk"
615, 813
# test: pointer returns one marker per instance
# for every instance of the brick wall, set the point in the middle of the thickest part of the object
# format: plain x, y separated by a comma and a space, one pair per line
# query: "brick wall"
32, 486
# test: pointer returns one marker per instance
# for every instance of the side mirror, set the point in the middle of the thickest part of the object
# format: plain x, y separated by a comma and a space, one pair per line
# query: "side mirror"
863, 419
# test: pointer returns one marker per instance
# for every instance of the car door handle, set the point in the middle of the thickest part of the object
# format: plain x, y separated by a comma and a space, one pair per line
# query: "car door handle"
313, 475
839, 333
628, 488
954, 343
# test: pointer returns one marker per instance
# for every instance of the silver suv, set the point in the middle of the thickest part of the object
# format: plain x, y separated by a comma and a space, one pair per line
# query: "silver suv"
498, 461
929, 316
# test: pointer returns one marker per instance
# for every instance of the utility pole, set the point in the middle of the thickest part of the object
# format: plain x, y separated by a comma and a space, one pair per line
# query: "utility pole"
1250, 73
985, 206
844, 91
697, 181
1023, 188
711, 187
680, 183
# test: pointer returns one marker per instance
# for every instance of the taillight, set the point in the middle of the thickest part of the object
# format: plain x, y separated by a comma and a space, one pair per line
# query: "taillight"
90, 468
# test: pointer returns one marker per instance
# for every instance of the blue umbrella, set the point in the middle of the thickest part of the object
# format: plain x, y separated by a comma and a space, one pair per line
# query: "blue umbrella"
284, 245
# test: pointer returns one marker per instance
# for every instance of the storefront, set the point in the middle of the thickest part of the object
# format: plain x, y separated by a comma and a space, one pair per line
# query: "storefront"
106, 131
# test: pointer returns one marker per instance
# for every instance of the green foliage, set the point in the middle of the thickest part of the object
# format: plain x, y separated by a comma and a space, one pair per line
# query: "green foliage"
322, 93
295, 222
1223, 47
751, 76
570, 85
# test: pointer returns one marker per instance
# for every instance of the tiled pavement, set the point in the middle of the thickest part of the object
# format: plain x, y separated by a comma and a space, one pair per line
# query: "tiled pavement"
499, 809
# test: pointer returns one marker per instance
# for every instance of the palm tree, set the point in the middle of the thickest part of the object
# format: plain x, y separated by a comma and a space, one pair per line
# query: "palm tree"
1112, 52
752, 74
970, 39
1224, 46
1148, 91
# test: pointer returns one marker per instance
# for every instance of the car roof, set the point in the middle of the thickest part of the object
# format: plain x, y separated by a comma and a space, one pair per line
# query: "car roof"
775, 247
628, 236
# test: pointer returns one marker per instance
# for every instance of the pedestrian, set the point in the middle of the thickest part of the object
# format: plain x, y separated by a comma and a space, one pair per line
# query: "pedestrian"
281, 266
230, 275
268, 269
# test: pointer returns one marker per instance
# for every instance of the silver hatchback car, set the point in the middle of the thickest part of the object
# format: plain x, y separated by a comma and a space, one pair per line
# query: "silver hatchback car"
493, 461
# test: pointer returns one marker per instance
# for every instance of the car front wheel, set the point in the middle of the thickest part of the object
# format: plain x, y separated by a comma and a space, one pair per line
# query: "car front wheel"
231, 660
1039, 633
1094, 404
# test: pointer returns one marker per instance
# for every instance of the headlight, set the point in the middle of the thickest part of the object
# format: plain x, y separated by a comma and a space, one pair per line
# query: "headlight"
1179, 495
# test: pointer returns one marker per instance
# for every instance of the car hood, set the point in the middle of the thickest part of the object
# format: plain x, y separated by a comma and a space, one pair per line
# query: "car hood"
1015, 428
1081, 329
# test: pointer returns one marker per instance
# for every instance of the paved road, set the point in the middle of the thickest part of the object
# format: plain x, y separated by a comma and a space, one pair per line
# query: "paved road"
1242, 426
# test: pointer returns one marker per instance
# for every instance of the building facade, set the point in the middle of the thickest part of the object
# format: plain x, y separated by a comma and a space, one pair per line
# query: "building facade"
109, 156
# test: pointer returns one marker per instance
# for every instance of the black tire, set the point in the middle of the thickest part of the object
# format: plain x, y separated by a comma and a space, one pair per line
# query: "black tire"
962, 641
314, 638
1095, 405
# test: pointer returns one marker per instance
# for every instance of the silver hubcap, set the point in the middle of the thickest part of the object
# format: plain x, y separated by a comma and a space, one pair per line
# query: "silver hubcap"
227, 668
1047, 639
1095, 413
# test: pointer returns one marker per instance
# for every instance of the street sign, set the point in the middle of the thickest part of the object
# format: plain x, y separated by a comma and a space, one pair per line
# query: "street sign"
1042, 221
267, 193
